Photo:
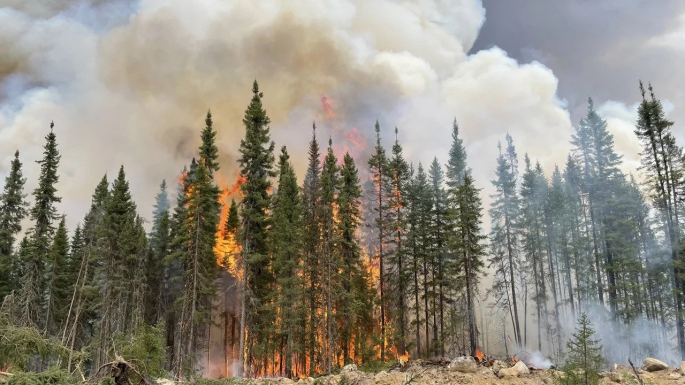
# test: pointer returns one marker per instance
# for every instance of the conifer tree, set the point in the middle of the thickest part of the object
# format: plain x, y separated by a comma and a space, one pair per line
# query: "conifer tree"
312, 218
60, 279
256, 167
349, 214
209, 153
470, 248
161, 207
585, 358
504, 214
331, 282
456, 163
12, 212
663, 169
378, 164
43, 214
285, 240
398, 170
112, 273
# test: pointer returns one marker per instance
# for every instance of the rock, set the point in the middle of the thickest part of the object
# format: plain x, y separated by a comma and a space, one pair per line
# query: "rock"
521, 367
498, 365
674, 376
486, 372
653, 365
464, 364
682, 368
508, 373
349, 369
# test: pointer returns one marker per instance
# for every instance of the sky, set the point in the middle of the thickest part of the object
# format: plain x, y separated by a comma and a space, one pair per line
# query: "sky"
128, 82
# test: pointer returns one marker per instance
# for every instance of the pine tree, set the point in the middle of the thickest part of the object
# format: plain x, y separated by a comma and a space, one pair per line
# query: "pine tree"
60, 279
470, 248
12, 212
156, 277
312, 218
440, 257
209, 153
456, 164
115, 243
332, 263
196, 237
256, 167
585, 359
398, 170
662, 171
504, 214
378, 165
161, 206
285, 240
43, 213
349, 214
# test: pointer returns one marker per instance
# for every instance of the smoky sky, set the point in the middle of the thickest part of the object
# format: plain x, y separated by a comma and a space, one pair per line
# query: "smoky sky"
595, 48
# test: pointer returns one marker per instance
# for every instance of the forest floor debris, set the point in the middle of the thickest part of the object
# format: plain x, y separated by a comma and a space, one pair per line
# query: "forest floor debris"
424, 372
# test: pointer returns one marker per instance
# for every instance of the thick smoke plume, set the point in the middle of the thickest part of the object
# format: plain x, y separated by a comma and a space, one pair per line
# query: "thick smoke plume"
128, 82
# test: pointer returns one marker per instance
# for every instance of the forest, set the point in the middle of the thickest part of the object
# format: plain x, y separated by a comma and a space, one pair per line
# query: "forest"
363, 261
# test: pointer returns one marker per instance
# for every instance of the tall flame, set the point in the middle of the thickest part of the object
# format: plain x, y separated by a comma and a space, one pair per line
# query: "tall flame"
226, 247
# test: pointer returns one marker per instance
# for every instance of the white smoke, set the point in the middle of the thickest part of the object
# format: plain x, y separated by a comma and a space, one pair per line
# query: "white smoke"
638, 340
128, 82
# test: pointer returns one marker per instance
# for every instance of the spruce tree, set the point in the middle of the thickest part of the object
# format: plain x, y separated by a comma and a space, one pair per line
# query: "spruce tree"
12, 212
584, 360
60, 279
398, 169
658, 160
285, 240
456, 164
160, 244
349, 220
504, 215
209, 153
161, 206
43, 214
331, 261
378, 164
311, 195
256, 167
470, 248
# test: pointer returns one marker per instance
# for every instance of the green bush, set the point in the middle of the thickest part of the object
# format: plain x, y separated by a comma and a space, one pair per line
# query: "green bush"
48, 377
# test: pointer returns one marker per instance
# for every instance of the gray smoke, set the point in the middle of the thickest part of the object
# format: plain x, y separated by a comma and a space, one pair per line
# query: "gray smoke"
128, 82
638, 340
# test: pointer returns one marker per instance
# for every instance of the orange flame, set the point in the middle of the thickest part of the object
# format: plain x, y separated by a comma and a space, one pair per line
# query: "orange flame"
226, 247
479, 355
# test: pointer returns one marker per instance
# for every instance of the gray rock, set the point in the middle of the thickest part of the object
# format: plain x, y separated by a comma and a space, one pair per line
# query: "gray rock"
498, 365
653, 365
464, 364
521, 367
349, 368
508, 373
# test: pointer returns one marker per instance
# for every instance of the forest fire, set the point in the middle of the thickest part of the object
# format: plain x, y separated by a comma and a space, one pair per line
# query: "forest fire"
479, 355
227, 247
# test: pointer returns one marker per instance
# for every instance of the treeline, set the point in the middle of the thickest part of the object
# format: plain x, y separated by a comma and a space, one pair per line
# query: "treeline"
311, 298
590, 235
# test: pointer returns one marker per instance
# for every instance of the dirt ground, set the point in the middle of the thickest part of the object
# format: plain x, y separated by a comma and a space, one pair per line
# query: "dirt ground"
420, 373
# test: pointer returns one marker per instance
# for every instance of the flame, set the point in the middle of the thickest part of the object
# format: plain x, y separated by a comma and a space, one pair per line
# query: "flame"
327, 106
226, 247
479, 355
403, 358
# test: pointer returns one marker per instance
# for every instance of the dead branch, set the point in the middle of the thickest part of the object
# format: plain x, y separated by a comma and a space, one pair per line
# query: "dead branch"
636, 373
